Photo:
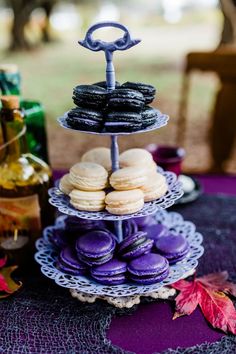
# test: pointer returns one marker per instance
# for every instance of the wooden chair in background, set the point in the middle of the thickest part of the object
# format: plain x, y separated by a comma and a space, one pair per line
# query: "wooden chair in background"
223, 121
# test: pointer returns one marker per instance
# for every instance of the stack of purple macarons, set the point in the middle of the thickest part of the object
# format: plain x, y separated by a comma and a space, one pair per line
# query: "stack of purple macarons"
143, 257
125, 109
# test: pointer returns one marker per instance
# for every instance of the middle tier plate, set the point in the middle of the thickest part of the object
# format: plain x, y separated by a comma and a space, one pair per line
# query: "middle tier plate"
161, 121
62, 202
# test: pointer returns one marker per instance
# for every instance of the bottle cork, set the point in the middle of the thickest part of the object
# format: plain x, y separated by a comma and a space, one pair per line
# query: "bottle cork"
10, 102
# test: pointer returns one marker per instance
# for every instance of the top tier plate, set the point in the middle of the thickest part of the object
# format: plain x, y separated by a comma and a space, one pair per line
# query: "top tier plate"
161, 121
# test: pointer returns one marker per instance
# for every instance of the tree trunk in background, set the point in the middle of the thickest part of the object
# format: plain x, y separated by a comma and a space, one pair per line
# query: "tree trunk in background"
47, 6
228, 35
22, 10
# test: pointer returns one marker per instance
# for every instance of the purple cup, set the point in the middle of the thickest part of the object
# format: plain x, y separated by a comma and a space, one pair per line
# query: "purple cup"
168, 157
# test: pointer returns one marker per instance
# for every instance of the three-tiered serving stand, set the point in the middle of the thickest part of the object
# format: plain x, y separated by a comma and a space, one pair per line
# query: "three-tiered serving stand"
46, 255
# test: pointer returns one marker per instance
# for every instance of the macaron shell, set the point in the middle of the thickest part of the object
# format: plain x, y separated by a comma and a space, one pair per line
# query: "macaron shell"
124, 202
64, 185
144, 221
156, 193
178, 258
69, 258
140, 250
148, 264
88, 176
89, 96
85, 206
100, 155
135, 157
96, 243
156, 231
125, 210
129, 241
151, 279
125, 99
69, 270
59, 238
172, 244
155, 187
95, 261
87, 200
121, 198
110, 280
128, 178
113, 267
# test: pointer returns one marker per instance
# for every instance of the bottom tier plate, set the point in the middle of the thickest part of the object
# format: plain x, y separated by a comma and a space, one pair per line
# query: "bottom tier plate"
46, 256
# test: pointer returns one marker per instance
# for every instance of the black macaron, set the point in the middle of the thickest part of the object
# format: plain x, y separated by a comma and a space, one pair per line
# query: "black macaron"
104, 84
149, 116
122, 99
117, 122
148, 91
90, 96
85, 119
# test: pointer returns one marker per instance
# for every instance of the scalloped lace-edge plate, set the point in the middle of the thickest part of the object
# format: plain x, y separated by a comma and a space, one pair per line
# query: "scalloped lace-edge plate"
47, 255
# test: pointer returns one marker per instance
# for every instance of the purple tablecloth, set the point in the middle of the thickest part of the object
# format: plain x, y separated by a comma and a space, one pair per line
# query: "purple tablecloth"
44, 318
151, 328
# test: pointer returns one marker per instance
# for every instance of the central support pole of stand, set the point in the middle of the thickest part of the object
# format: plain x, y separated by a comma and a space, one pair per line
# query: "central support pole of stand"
115, 166
109, 48
110, 79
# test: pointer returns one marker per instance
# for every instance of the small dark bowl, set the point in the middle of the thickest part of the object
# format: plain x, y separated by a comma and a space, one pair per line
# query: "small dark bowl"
168, 157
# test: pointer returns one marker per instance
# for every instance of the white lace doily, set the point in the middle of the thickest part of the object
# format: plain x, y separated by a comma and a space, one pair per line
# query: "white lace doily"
129, 301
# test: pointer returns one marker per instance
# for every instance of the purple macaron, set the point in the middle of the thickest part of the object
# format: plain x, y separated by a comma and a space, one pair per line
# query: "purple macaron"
69, 263
148, 269
129, 227
59, 238
110, 273
145, 221
153, 229
134, 246
156, 231
174, 247
78, 226
95, 247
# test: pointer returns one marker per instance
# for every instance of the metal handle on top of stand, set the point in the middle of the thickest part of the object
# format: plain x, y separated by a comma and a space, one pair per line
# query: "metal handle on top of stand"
109, 47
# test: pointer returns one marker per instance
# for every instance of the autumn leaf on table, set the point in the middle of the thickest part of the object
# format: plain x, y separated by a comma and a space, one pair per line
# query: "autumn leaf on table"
7, 284
209, 292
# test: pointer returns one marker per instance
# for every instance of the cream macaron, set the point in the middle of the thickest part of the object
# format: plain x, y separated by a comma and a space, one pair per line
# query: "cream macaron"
88, 201
128, 178
99, 155
135, 157
124, 202
64, 185
88, 176
155, 187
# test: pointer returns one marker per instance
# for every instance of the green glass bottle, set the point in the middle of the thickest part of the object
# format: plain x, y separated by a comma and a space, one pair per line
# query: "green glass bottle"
10, 84
10, 80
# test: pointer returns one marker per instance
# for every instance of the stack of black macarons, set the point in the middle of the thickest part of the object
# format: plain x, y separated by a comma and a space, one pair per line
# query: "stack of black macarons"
125, 109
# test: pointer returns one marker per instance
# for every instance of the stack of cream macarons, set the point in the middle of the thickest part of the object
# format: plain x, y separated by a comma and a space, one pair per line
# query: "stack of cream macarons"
137, 181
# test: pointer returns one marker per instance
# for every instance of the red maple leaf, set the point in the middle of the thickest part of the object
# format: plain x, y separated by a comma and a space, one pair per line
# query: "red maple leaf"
3, 283
209, 292
7, 285
3, 261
